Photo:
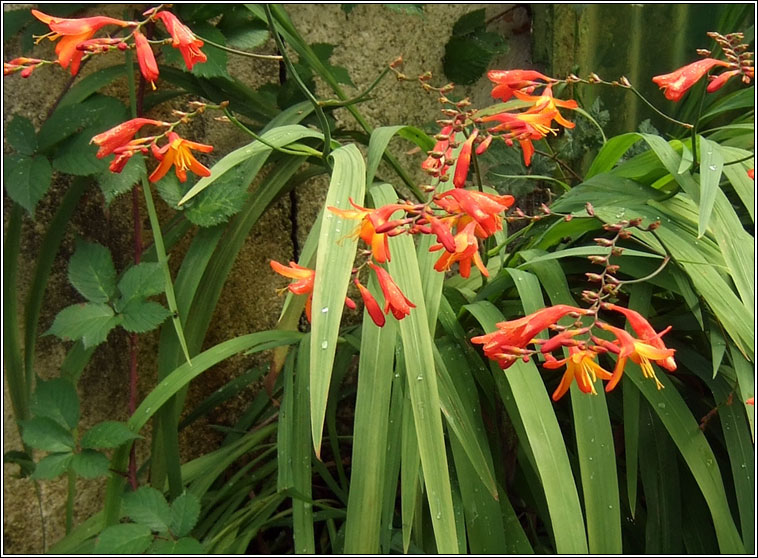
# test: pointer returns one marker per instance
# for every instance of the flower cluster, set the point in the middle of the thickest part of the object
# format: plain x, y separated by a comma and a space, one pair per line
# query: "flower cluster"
738, 62
509, 342
77, 40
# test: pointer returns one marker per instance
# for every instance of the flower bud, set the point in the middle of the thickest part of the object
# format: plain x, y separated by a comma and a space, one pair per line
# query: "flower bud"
654, 225
589, 209
594, 277
603, 242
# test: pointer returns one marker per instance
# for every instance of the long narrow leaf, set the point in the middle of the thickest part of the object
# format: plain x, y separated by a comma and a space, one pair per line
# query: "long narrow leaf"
334, 263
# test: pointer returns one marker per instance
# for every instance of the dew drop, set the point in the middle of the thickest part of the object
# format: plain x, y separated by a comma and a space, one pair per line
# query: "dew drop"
712, 167
324, 310
743, 466
324, 344
661, 405
419, 377
610, 506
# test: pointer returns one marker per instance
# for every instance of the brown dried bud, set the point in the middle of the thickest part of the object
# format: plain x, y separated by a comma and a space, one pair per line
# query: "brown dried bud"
625, 234
617, 251
654, 225
624, 82
600, 260
612, 268
589, 209
444, 123
444, 100
703, 52
449, 112
594, 78
463, 103
636, 222
436, 154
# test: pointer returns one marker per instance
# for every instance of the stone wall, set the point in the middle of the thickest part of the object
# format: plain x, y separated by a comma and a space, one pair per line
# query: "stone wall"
365, 41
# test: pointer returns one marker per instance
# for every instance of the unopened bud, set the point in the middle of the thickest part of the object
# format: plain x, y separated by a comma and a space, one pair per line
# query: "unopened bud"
617, 251
435, 154
589, 296
442, 137
572, 78
463, 103
545, 209
444, 100
589, 209
594, 277
625, 234
603, 242
600, 260
612, 268
594, 78
611, 279
122, 46
624, 82
654, 225
635, 222
612, 227
447, 88
568, 218
398, 61
703, 52
426, 76
449, 112
401, 76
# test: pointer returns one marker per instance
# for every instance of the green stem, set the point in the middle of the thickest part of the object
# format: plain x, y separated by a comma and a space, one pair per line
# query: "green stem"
240, 52
323, 122
304, 151
358, 98
664, 115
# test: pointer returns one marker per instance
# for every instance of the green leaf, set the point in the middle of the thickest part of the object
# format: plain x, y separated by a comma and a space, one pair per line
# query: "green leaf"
90, 464
606, 190
125, 538
77, 156
56, 399
467, 58
91, 271
380, 139
14, 21
141, 281
108, 434
472, 22
52, 465
89, 322
22, 459
26, 179
147, 506
711, 165
227, 197
113, 184
408, 9
99, 111
334, 263
91, 84
21, 135
185, 511
324, 52
139, 316
243, 32
45, 434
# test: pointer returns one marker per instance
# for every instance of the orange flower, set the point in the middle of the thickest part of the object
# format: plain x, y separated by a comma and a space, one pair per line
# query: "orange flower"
466, 249
639, 352
435, 164
183, 39
120, 135
485, 209
506, 344
750, 401
507, 82
524, 127
580, 366
74, 31
546, 103
177, 152
372, 306
645, 332
304, 283
394, 299
464, 161
371, 221
147, 64
676, 84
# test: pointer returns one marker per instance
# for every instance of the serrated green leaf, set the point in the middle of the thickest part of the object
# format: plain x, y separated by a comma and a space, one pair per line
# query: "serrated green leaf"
90, 84
56, 399
113, 184
141, 281
108, 434
185, 511
90, 464
139, 316
249, 36
471, 22
45, 434
324, 52
91, 271
227, 197
148, 507
26, 179
21, 135
465, 59
99, 111
76, 155
52, 466
89, 322
125, 538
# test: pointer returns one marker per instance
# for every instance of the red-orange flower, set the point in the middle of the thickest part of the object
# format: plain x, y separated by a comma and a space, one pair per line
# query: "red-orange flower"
678, 82
147, 64
507, 82
464, 161
73, 32
120, 135
183, 39
371, 220
436, 164
372, 306
466, 250
506, 344
645, 332
580, 366
639, 352
177, 152
303, 284
394, 299
486, 209
546, 103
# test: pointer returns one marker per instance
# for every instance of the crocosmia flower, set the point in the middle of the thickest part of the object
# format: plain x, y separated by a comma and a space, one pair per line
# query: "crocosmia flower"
507, 82
580, 366
645, 332
24, 65
72, 32
466, 251
120, 135
464, 161
177, 152
372, 306
486, 209
678, 82
183, 39
147, 64
394, 299
303, 283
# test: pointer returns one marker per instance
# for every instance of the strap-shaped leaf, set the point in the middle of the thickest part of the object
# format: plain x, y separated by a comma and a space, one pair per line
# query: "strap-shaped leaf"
422, 385
334, 262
